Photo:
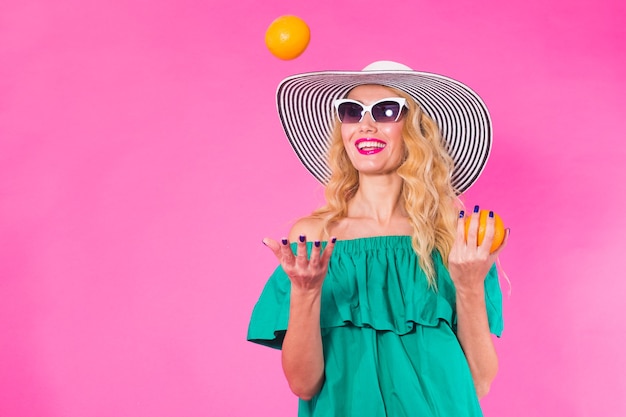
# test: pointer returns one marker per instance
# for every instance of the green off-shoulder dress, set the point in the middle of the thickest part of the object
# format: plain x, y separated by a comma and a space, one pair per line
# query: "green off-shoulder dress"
390, 348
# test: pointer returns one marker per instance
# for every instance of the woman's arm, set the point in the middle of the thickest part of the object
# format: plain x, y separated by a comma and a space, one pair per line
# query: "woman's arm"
475, 338
302, 350
469, 264
302, 353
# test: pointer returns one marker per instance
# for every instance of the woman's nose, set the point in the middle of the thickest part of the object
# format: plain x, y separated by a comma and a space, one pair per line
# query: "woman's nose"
367, 123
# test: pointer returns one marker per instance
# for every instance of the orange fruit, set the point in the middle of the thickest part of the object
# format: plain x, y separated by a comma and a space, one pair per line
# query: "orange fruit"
287, 37
498, 236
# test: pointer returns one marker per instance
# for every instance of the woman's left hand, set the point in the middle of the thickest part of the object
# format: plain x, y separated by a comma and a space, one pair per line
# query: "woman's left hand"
469, 262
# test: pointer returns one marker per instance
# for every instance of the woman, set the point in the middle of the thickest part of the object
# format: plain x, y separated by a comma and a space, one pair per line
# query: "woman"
381, 306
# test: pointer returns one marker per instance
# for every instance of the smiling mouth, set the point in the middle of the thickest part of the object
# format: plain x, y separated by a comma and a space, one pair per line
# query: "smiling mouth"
369, 146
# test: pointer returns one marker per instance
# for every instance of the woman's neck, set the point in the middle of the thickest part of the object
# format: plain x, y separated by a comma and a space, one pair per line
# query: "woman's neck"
378, 198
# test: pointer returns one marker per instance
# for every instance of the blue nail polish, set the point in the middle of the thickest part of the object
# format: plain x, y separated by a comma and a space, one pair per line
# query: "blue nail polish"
333, 240
317, 243
476, 209
285, 241
491, 214
461, 214
302, 238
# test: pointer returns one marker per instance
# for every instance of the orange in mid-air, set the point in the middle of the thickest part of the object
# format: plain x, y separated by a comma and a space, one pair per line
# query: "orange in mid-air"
287, 37
498, 236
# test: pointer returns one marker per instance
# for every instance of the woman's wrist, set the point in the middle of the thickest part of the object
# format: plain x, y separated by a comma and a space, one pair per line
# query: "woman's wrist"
471, 292
305, 296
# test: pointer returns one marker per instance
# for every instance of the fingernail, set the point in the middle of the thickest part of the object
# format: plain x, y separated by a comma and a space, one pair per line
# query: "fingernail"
317, 243
263, 242
491, 214
509, 230
285, 241
333, 240
461, 214
302, 238
476, 208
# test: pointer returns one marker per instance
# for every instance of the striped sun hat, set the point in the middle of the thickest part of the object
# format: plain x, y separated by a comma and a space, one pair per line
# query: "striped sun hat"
305, 107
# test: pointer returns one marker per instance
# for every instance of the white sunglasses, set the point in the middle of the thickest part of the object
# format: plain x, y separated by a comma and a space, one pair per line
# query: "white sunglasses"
386, 110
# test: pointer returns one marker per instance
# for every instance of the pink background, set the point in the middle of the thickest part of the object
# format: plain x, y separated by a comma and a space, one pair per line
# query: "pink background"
142, 162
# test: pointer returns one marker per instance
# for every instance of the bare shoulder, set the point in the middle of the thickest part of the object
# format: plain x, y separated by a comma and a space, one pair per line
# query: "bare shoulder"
311, 227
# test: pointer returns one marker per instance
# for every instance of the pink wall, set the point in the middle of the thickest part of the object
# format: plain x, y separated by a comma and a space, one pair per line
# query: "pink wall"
142, 162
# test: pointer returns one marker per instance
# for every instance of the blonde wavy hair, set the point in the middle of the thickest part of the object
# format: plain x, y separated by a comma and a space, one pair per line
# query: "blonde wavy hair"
427, 192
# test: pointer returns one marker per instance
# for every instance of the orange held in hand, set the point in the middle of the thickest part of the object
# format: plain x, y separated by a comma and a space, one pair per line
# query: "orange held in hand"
498, 236
287, 37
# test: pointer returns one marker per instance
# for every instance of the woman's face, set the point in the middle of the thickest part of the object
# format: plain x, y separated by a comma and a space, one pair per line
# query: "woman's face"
375, 148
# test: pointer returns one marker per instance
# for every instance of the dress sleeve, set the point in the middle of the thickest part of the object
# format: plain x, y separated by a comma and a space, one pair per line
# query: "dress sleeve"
270, 315
493, 301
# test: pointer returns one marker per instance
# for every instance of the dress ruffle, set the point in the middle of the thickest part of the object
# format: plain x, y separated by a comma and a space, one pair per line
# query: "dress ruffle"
372, 283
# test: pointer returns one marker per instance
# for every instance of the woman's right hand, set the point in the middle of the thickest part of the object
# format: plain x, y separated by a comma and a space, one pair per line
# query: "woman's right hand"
302, 351
305, 273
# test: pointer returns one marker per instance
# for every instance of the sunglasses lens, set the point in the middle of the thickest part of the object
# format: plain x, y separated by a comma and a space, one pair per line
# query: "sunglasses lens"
386, 111
349, 112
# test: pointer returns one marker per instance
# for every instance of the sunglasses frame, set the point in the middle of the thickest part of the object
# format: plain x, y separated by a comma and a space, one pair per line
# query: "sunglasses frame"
365, 109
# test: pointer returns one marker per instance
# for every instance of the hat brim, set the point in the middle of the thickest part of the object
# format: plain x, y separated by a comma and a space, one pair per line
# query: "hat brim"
305, 107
